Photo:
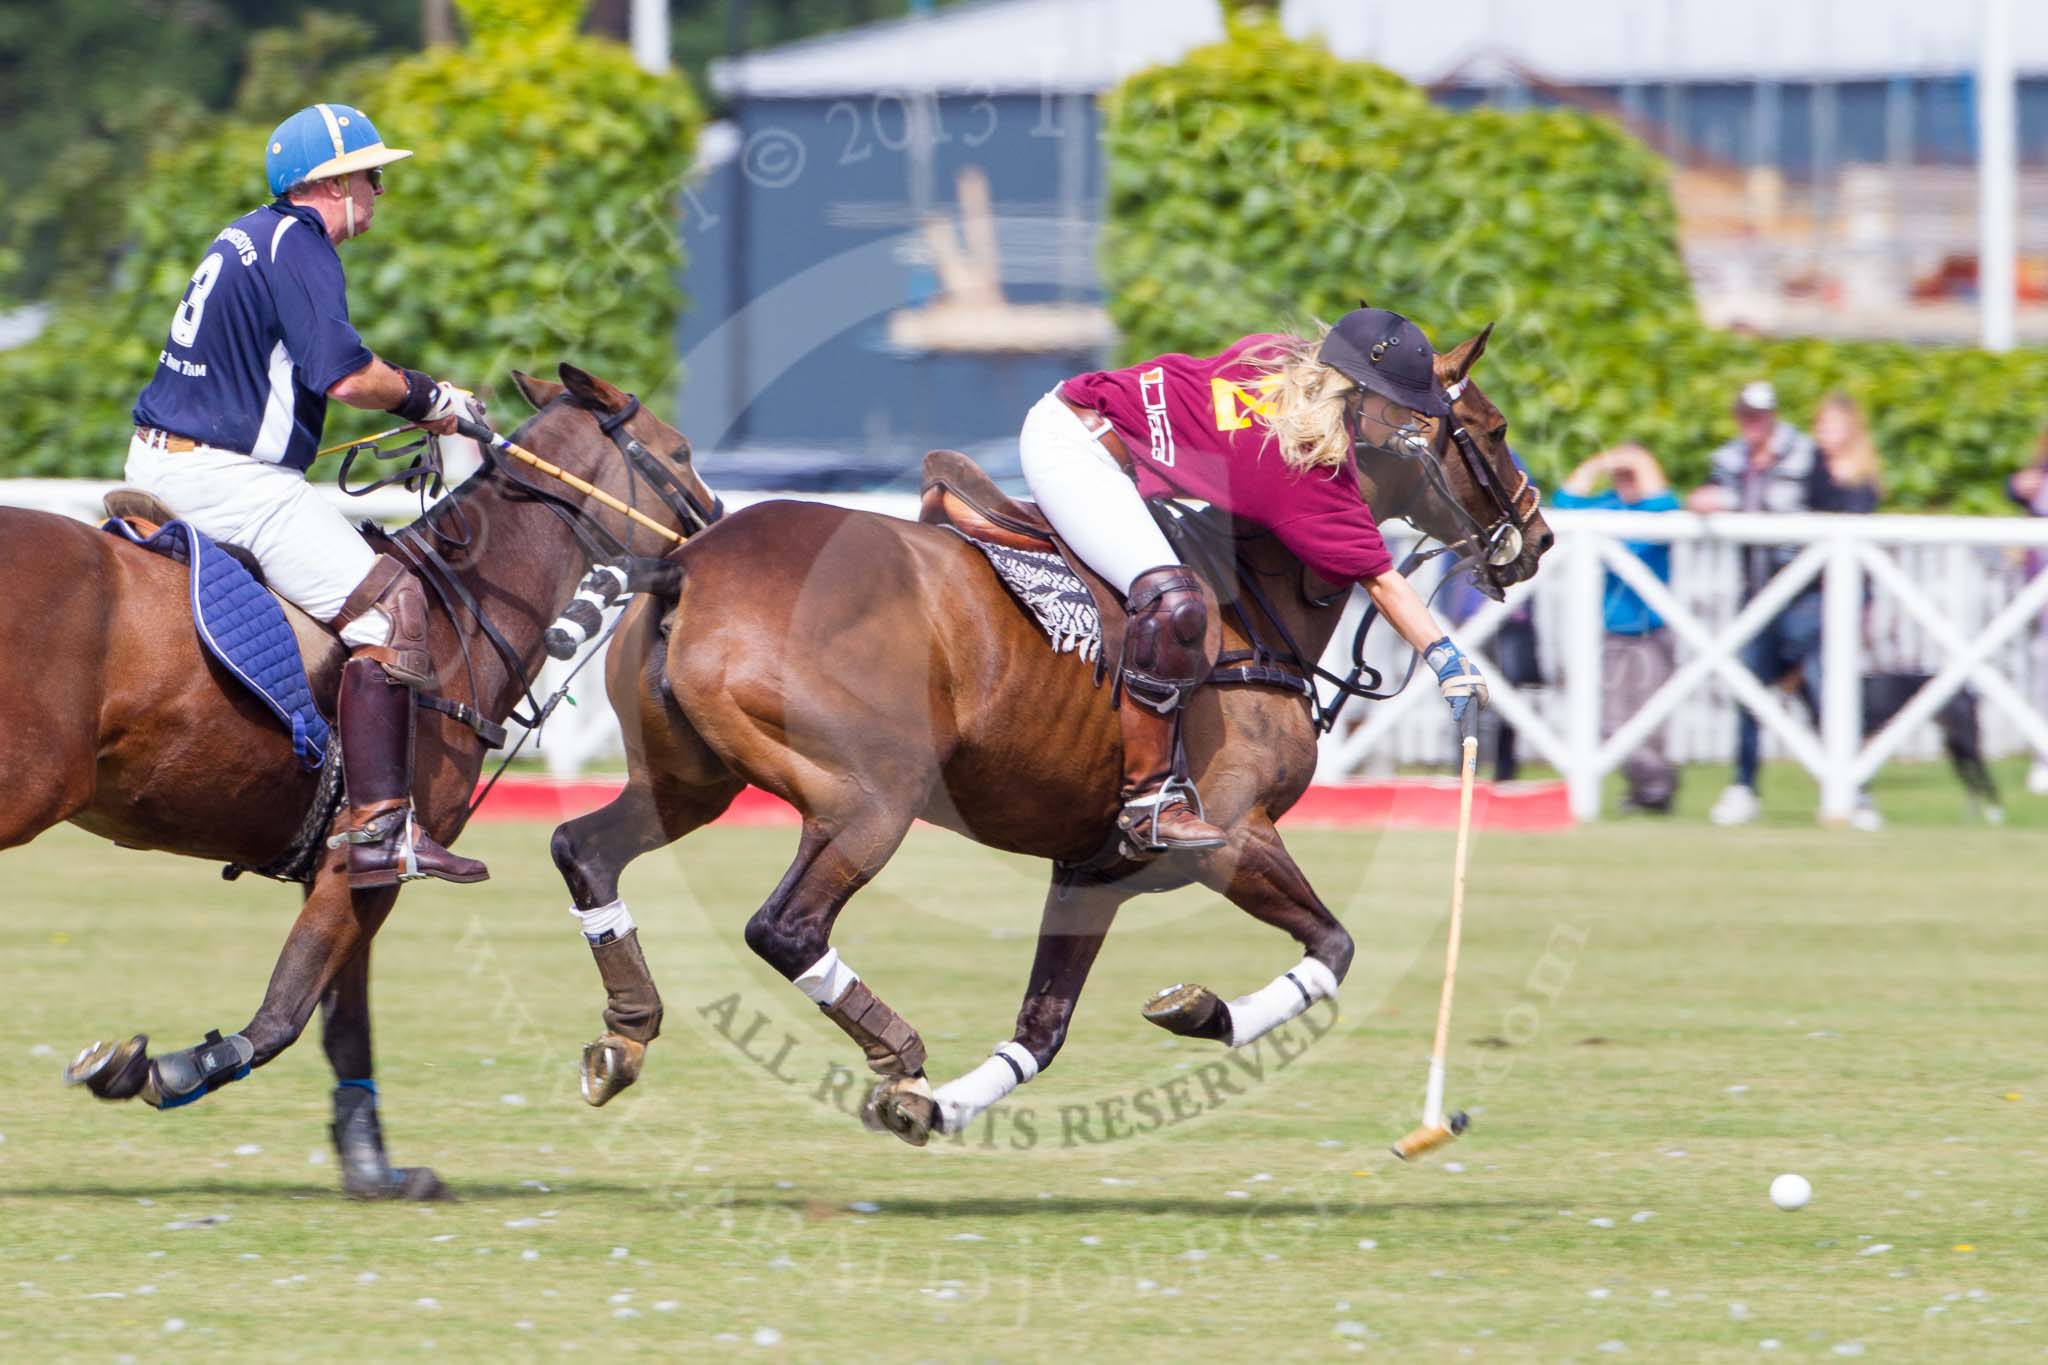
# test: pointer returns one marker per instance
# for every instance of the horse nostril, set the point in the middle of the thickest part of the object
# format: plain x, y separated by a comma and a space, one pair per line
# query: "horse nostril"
1545, 538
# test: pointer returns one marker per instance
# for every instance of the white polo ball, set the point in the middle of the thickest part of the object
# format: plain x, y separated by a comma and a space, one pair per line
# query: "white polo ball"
1790, 1192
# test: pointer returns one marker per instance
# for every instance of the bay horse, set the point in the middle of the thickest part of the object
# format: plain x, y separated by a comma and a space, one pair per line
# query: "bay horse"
872, 671
113, 718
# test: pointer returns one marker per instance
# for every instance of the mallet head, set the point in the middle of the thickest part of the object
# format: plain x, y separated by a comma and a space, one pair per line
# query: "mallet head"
1431, 1136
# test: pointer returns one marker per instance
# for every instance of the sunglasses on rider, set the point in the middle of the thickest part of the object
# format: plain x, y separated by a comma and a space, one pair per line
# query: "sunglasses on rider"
375, 175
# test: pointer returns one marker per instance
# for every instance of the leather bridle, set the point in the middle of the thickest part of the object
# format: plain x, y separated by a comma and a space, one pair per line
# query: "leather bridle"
415, 544
660, 473
1496, 543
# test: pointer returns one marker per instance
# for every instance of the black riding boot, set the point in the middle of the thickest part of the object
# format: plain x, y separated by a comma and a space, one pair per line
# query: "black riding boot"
385, 845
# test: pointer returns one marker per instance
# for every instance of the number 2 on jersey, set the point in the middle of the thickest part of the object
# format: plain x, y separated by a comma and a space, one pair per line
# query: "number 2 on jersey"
185, 326
1235, 407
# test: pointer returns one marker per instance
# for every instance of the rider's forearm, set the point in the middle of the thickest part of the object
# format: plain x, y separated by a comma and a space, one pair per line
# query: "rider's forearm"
1404, 609
377, 387
382, 387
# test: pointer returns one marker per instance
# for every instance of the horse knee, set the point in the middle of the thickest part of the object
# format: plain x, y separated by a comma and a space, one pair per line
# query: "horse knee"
774, 942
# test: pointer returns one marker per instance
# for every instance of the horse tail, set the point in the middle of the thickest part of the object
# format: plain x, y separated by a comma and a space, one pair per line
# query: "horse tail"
661, 579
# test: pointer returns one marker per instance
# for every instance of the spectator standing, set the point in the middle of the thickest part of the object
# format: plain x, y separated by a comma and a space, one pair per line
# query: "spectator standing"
1848, 478
1637, 656
1770, 466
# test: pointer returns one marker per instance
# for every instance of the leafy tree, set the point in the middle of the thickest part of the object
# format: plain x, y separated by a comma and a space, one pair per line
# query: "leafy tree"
88, 88
1262, 182
534, 223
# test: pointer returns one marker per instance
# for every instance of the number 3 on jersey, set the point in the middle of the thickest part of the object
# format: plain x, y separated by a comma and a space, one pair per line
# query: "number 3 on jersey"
1235, 407
185, 326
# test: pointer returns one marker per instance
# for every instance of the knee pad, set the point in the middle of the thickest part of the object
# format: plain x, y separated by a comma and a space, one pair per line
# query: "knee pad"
391, 591
1165, 638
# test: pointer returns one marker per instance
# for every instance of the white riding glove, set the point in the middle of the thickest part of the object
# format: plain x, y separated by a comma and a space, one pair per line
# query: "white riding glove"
450, 401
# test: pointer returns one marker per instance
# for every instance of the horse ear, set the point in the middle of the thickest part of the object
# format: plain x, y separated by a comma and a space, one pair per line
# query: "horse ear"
539, 392
1454, 364
591, 390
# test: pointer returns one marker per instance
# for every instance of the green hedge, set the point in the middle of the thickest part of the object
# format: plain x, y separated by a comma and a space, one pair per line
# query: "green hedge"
534, 222
1262, 182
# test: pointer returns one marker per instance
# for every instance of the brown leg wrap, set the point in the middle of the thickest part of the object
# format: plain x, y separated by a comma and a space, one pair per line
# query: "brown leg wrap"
632, 1004
891, 1044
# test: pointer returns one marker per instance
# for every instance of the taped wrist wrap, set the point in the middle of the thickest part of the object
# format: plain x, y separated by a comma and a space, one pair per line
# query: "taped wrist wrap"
419, 396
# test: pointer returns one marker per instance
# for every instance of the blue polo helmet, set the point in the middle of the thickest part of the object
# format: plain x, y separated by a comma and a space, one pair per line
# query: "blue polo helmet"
324, 140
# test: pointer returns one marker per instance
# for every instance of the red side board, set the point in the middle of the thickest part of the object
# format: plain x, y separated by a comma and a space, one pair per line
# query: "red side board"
1407, 803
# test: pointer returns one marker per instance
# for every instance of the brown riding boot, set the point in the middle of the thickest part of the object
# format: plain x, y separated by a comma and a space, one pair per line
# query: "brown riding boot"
1160, 813
386, 846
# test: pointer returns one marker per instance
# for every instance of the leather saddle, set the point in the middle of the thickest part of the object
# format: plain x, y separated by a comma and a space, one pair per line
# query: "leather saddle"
320, 649
958, 493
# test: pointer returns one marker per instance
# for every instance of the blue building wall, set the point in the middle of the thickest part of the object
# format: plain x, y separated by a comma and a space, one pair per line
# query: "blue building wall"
797, 257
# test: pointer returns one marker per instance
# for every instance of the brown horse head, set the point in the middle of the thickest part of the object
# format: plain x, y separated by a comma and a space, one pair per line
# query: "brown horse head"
1458, 480
569, 426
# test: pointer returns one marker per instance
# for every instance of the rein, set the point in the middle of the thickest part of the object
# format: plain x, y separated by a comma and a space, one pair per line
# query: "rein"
1208, 540
415, 546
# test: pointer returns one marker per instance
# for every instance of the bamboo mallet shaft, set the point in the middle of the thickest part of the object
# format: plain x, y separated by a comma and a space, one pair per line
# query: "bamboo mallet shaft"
583, 486
1435, 1131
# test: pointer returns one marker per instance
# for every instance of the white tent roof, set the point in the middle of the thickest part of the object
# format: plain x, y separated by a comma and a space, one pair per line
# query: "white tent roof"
1089, 45
1609, 42
996, 46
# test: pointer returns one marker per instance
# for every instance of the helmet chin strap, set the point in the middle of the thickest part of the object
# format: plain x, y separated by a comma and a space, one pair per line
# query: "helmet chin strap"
349, 198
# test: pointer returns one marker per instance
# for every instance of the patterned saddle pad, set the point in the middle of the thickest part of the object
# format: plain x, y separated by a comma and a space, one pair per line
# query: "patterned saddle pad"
1048, 589
243, 626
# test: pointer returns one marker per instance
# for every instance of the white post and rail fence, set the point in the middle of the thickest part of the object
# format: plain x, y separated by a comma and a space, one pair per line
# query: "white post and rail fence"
1952, 598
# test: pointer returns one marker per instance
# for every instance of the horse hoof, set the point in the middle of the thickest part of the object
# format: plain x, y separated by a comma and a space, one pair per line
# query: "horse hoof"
902, 1105
417, 1184
112, 1071
610, 1065
1190, 1011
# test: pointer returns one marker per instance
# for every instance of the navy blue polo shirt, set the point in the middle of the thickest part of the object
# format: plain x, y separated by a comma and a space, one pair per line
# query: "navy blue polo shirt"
260, 336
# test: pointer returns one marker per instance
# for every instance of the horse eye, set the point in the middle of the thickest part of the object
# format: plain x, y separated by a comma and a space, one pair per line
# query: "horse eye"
1500, 434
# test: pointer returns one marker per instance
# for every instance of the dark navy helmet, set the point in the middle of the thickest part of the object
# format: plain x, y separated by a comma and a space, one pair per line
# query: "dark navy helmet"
1384, 352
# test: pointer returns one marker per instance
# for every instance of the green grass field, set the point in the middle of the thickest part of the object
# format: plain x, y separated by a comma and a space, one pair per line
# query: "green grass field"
1653, 1020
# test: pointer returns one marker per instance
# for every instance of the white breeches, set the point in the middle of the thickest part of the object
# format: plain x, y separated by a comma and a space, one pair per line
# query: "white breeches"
309, 553
1087, 497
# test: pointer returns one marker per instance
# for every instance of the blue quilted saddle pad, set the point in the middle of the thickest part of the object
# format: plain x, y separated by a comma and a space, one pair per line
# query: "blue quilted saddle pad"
243, 626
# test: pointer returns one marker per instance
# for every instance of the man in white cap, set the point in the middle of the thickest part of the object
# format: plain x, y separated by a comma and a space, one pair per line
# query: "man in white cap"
231, 419
1768, 467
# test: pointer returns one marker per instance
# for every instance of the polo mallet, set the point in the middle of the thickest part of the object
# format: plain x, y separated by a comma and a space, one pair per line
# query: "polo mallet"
491, 440
1435, 1129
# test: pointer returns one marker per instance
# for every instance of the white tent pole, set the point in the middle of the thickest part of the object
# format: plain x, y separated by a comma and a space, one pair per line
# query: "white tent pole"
1996, 171
650, 34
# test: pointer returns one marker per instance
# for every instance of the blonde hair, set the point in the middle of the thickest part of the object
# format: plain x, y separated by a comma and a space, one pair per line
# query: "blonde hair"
1855, 464
1304, 404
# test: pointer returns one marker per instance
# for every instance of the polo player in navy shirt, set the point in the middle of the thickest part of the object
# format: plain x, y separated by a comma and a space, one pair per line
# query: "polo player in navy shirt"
226, 428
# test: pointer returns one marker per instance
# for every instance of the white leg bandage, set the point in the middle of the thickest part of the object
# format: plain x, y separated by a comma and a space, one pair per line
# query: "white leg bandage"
605, 923
826, 979
1285, 996
960, 1100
